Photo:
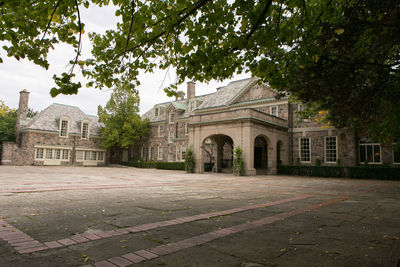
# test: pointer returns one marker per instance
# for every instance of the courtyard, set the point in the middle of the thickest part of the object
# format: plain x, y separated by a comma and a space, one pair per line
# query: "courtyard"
76, 216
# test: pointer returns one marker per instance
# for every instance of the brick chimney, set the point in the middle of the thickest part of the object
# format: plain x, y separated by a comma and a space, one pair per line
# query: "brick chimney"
23, 104
191, 90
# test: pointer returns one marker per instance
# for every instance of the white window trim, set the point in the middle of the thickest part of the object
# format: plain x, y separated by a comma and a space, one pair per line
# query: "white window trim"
336, 149
169, 117
370, 144
44, 147
68, 125
186, 128
309, 138
90, 150
277, 110
160, 133
88, 129
171, 137
158, 153
396, 163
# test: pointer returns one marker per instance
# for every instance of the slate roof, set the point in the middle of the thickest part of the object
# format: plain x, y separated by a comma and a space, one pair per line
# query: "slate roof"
224, 96
48, 120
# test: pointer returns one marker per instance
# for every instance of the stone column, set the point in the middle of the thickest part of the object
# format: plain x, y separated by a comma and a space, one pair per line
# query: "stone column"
247, 146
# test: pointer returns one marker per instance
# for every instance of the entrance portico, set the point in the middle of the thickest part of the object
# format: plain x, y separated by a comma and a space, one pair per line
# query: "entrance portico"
256, 132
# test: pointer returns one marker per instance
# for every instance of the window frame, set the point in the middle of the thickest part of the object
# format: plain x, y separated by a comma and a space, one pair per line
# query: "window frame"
277, 110
309, 149
156, 112
64, 119
160, 149
87, 130
397, 163
186, 128
160, 131
366, 152
325, 149
171, 137
171, 117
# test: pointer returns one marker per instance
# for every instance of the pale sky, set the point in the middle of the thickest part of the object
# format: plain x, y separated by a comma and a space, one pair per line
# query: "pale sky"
18, 75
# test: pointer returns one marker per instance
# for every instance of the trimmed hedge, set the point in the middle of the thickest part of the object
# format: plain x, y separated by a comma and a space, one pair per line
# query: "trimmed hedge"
359, 172
156, 164
170, 165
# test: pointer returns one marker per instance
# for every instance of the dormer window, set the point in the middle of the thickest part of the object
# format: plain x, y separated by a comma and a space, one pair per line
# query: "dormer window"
171, 117
192, 105
85, 130
157, 112
64, 127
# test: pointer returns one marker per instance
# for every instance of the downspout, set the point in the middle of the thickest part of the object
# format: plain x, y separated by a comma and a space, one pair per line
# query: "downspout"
290, 108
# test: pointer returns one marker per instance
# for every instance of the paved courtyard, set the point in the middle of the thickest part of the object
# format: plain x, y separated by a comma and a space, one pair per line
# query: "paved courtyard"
70, 216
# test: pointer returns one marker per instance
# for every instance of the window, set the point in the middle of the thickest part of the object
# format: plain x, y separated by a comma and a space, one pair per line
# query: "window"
192, 106
160, 153
79, 155
64, 128
183, 153
57, 153
156, 112
330, 149
171, 137
274, 111
39, 153
49, 153
85, 130
93, 155
160, 130
87, 155
186, 128
178, 152
100, 156
65, 154
396, 154
370, 152
305, 151
152, 153
171, 117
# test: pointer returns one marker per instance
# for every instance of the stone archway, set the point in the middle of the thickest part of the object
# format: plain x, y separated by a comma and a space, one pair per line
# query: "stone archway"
217, 152
261, 154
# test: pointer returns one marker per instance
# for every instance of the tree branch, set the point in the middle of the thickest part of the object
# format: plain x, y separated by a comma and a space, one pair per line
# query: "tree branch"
78, 51
51, 18
260, 19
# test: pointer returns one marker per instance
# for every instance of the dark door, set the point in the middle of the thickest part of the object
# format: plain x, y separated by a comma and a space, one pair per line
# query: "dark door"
258, 157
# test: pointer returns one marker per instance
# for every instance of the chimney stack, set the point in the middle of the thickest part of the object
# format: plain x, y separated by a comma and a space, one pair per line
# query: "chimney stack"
191, 90
23, 104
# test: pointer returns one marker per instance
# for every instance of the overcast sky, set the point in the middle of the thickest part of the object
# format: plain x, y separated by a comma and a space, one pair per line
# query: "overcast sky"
18, 75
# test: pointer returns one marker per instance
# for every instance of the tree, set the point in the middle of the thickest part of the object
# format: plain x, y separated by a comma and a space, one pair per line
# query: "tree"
341, 55
8, 118
123, 126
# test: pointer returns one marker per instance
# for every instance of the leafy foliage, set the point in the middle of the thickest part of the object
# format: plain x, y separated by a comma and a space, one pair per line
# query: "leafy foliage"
123, 125
8, 118
189, 160
341, 55
238, 162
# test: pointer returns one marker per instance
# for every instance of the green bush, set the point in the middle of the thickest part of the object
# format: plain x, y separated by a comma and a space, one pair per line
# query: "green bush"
189, 160
170, 165
140, 164
360, 172
238, 162
208, 166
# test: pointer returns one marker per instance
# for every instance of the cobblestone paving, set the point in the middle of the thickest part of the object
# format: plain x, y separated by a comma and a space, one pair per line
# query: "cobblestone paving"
70, 216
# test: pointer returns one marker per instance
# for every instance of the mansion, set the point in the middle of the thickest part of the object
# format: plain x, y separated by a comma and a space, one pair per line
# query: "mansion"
248, 114
244, 113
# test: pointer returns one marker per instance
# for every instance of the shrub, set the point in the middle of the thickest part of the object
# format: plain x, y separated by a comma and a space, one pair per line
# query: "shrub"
170, 165
360, 172
208, 166
189, 160
238, 162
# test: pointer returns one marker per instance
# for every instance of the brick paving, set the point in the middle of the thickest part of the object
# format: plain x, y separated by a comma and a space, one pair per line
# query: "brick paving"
224, 208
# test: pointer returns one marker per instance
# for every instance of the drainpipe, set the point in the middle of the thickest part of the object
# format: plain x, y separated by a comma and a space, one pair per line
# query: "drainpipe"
290, 108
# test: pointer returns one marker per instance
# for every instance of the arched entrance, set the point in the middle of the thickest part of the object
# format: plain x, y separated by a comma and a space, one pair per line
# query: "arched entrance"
217, 153
261, 155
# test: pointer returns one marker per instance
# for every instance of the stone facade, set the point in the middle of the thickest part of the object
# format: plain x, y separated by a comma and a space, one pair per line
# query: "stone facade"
59, 135
250, 115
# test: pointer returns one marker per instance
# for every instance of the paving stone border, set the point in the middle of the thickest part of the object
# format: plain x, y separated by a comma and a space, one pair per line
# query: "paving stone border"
26, 244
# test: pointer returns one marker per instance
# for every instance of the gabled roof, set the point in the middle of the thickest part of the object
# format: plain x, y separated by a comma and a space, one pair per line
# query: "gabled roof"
48, 119
225, 94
